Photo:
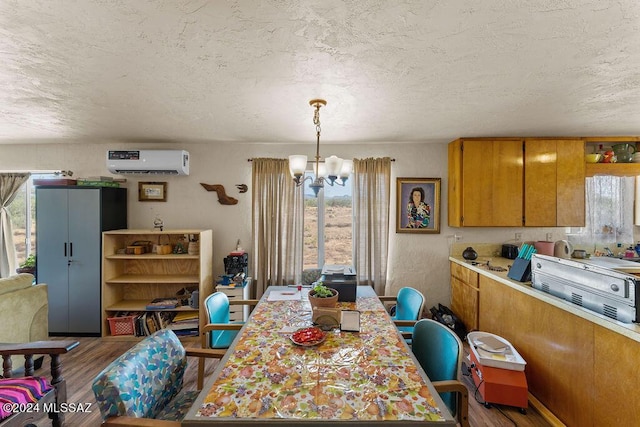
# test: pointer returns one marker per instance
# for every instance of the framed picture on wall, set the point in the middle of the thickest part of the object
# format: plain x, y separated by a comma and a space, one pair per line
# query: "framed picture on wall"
418, 205
152, 191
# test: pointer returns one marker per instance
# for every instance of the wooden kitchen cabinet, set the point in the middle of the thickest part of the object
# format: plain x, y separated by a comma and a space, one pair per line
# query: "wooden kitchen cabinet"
465, 292
554, 183
503, 182
583, 373
485, 182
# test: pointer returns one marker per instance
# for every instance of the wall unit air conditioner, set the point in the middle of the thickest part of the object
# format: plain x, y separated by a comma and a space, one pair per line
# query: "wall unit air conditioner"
160, 162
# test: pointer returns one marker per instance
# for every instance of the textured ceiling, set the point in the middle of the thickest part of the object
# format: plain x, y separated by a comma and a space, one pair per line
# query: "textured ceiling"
397, 70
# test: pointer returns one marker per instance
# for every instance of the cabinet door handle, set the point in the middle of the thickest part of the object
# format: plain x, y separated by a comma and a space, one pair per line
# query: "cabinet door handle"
65, 248
70, 249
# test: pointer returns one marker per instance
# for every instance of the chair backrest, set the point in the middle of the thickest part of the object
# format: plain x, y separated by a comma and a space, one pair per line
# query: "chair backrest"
217, 307
410, 303
144, 379
439, 352
310, 275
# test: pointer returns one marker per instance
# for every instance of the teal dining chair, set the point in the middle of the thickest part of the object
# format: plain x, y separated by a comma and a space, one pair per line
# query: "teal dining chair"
408, 309
220, 330
439, 352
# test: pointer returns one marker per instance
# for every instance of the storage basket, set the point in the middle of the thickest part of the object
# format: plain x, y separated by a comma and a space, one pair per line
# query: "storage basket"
125, 325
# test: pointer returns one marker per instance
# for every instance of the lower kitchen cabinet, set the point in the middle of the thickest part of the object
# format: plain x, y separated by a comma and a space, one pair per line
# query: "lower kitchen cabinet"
585, 374
464, 295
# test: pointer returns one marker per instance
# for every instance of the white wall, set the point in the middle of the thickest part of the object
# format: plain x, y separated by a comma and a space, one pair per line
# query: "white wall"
418, 260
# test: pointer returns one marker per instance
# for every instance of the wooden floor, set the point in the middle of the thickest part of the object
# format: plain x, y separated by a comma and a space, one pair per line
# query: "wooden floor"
93, 354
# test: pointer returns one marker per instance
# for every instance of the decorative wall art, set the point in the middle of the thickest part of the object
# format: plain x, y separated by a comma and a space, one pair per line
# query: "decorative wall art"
152, 191
223, 198
418, 205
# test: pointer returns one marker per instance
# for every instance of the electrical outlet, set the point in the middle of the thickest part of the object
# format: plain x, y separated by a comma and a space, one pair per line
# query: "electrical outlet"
518, 237
549, 237
457, 237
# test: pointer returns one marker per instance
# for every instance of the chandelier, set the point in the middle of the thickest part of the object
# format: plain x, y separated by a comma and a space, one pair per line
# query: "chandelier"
329, 170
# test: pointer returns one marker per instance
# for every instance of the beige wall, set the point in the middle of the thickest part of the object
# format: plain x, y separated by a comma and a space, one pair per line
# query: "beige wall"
415, 260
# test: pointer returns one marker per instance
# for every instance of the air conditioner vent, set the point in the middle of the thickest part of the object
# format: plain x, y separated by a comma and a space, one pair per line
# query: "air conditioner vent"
148, 162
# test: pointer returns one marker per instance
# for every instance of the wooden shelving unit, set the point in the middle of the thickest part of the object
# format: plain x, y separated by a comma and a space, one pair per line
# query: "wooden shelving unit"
617, 169
130, 282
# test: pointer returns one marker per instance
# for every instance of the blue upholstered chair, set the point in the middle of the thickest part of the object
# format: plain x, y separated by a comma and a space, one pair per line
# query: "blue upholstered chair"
439, 352
146, 382
220, 330
408, 309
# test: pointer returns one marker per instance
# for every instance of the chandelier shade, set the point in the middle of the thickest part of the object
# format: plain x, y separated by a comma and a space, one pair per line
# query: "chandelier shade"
332, 169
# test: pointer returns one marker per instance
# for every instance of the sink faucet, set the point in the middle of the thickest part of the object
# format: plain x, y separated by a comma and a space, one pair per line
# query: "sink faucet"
608, 251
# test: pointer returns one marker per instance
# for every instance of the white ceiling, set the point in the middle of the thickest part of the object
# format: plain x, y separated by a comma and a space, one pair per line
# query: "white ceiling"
396, 70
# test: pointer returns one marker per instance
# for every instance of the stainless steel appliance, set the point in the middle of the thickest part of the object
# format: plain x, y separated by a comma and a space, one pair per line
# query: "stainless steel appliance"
603, 290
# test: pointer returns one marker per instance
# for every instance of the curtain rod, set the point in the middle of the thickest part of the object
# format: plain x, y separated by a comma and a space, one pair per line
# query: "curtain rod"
251, 159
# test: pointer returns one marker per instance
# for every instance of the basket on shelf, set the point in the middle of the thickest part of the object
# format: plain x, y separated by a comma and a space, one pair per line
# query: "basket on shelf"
125, 325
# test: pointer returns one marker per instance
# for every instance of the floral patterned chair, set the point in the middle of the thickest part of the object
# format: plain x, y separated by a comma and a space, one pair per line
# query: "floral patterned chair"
146, 382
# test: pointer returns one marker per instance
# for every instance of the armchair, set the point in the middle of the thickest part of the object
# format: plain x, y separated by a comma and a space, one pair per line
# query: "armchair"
143, 386
220, 332
408, 309
30, 389
439, 351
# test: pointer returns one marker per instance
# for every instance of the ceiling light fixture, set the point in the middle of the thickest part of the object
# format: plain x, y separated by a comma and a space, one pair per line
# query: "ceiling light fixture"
329, 170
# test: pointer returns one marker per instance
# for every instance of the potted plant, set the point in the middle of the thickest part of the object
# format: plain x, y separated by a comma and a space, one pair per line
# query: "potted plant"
322, 296
28, 266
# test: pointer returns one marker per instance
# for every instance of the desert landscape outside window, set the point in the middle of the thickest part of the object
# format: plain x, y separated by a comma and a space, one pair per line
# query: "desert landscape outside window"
328, 221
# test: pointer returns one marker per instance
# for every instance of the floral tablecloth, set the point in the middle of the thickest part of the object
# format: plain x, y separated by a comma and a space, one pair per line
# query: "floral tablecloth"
350, 376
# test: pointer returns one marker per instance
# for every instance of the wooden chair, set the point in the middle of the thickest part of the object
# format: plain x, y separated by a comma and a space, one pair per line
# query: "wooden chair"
54, 397
220, 332
439, 352
409, 307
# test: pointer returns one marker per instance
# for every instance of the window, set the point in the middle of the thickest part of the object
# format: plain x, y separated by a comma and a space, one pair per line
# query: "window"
609, 214
328, 221
23, 218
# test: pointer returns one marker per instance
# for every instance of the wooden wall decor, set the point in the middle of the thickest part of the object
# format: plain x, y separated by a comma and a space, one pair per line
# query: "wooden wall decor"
222, 195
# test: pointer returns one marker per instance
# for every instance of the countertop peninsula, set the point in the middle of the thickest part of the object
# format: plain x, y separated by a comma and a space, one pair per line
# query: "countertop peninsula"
629, 330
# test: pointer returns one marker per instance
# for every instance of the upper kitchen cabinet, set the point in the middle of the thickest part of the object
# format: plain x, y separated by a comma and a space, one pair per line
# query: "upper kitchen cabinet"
554, 172
515, 182
485, 182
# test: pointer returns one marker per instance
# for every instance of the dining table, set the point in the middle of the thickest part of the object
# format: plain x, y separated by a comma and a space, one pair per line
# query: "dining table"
369, 377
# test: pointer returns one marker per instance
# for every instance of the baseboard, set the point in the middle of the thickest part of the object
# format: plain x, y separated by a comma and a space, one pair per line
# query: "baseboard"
544, 412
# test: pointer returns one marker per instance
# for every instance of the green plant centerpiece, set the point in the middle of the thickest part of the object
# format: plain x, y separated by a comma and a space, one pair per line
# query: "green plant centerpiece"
323, 296
28, 265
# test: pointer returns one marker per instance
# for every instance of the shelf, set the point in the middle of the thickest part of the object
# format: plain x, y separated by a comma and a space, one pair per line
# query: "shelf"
131, 231
153, 278
617, 169
141, 305
152, 256
133, 338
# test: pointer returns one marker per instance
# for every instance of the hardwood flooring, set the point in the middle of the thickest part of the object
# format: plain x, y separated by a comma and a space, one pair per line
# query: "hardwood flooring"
81, 365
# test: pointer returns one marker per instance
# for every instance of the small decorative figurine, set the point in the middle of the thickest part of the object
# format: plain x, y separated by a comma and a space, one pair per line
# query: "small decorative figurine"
158, 224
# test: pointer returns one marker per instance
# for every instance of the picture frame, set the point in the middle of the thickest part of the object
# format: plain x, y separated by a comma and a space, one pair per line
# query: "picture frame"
152, 191
425, 218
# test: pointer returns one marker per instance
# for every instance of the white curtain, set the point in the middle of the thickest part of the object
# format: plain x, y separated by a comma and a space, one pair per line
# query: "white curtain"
371, 204
10, 183
278, 212
609, 213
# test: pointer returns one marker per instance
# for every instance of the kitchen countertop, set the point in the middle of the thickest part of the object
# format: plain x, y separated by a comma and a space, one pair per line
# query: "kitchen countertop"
629, 330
